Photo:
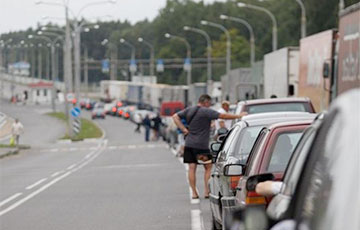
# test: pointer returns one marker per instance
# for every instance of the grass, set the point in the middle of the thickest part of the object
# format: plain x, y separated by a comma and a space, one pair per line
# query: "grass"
14, 146
88, 128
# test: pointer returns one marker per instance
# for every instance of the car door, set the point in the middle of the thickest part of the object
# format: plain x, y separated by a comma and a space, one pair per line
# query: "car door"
215, 179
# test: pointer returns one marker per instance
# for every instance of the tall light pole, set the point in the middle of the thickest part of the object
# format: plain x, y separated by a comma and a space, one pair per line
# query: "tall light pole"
152, 55
251, 31
123, 41
303, 18
208, 51
113, 58
273, 19
228, 52
188, 57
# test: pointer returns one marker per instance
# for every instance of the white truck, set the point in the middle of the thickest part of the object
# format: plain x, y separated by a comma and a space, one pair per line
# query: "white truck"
281, 72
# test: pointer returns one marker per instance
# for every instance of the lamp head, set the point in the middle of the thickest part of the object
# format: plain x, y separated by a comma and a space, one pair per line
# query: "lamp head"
39, 32
140, 39
241, 4
203, 22
30, 36
224, 17
167, 35
122, 40
104, 41
96, 26
186, 28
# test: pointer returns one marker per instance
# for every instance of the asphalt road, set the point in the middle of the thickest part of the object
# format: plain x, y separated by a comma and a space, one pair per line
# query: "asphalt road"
119, 182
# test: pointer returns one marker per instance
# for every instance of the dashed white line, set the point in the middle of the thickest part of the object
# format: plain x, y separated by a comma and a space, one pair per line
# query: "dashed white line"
132, 146
196, 219
36, 184
112, 147
10, 199
73, 149
54, 150
56, 173
71, 166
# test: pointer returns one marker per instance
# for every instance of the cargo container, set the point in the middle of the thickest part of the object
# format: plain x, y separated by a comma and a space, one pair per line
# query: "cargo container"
349, 50
281, 72
316, 51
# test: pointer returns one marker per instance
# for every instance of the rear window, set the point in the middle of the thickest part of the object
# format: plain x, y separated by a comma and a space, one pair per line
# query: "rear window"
284, 146
279, 107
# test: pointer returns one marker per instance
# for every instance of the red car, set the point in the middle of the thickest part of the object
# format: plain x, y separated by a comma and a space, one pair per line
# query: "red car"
270, 154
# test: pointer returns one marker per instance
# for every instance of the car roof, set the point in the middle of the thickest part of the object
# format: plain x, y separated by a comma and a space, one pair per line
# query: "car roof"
275, 117
290, 123
274, 100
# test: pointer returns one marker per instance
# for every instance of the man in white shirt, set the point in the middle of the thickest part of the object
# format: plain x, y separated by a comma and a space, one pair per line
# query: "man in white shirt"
221, 123
17, 129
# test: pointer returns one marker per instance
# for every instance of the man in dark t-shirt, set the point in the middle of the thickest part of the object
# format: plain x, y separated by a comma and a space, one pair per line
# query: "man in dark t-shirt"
197, 134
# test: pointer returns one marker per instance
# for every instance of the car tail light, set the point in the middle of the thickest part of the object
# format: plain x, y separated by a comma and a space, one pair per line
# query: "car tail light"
119, 104
114, 109
234, 180
120, 112
254, 198
127, 115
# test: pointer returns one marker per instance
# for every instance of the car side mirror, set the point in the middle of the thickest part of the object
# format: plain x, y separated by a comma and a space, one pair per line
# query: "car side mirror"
233, 170
221, 138
215, 147
252, 181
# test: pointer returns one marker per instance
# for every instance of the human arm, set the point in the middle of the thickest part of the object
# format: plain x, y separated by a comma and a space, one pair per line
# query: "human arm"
268, 188
229, 116
179, 124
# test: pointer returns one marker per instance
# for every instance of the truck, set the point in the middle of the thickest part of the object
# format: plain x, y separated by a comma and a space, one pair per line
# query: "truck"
348, 73
330, 60
281, 72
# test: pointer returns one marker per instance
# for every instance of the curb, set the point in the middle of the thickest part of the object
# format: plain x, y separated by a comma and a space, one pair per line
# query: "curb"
11, 152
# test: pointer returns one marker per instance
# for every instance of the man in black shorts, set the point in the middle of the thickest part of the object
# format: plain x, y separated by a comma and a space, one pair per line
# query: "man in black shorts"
197, 134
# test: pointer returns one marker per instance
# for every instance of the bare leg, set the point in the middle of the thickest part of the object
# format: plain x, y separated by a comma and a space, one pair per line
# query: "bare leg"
192, 179
206, 178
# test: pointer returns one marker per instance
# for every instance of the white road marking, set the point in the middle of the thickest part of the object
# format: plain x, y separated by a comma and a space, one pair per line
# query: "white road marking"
36, 184
71, 166
56, 173
46, 186
73, 149
132, 146
196, 220
54, 150
151, 146
112, 147
10, 199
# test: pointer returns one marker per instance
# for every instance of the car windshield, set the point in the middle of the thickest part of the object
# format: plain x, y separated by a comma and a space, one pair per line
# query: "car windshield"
279, 107
282, 151
245, 143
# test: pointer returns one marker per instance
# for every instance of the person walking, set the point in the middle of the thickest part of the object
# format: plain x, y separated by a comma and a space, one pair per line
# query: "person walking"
137, 119
157, 122
147, 124
197, 138
16, 130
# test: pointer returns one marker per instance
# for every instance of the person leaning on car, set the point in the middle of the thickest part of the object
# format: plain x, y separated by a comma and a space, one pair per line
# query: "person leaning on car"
197, 134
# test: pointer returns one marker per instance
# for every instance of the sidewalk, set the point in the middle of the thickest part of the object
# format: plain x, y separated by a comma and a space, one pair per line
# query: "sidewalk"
7, 151
5, 130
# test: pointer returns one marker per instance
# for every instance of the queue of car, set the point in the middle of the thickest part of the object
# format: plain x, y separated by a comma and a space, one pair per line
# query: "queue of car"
316, 158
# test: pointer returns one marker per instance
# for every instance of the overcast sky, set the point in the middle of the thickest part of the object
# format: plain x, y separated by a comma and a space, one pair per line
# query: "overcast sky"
21, 14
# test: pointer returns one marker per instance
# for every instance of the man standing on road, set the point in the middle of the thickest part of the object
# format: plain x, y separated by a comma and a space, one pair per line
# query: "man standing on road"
197, 137
17, 129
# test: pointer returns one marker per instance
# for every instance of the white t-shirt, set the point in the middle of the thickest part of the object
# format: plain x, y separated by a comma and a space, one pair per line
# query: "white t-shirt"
17, 128
227, 122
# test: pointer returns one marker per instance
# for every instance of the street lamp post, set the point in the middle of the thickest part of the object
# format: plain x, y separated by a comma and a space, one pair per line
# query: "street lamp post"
188, 53
251, 31
208, 51
303, 18
273, 19
152, 55
123, 41
228, 52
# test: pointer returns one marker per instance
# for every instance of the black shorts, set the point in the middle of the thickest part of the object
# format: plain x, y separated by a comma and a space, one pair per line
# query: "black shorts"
191, 155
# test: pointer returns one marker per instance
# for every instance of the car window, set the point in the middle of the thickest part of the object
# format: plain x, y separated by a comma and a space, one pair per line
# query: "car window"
244, 143
331, 198
253, 156
225, 147
279, 107
285, 144
295, 166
